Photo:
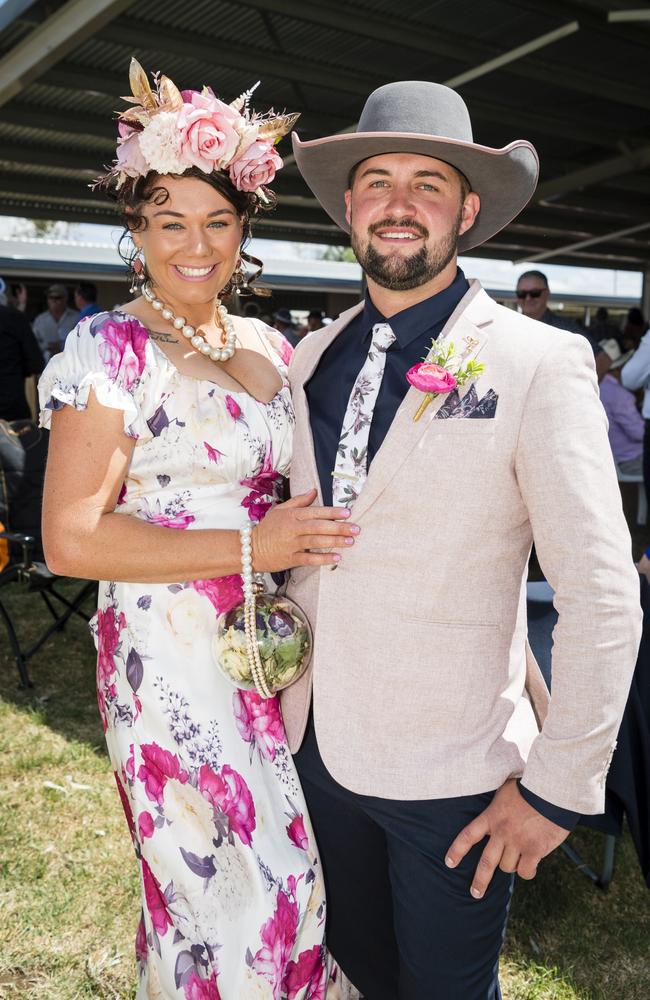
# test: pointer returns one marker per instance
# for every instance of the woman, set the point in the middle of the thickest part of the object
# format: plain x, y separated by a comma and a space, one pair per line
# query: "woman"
171, 426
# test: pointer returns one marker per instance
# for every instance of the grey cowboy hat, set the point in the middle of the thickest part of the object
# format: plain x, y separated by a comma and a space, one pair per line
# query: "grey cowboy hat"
432, 120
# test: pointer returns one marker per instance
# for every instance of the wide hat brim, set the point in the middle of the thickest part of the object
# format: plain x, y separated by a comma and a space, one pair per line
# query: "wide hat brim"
504, 179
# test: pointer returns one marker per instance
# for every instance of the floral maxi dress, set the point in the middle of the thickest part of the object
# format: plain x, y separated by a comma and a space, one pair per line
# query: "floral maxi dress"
233, 898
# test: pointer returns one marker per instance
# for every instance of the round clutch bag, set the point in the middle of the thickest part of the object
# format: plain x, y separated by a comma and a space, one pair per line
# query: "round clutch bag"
264, 643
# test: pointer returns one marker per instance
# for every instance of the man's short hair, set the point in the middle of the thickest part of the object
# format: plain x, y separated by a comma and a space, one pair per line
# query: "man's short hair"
534, 274
87, 291
465, 186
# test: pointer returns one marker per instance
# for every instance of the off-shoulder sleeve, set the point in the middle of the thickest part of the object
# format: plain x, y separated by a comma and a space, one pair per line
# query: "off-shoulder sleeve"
109, 353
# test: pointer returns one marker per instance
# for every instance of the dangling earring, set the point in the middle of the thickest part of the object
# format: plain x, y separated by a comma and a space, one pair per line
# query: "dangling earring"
138, 273
239, 279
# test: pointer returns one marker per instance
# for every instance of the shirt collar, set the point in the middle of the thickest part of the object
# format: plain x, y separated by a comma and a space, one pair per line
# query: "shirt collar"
415, 321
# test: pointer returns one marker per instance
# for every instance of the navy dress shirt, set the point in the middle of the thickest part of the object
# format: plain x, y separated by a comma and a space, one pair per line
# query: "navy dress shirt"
329, 388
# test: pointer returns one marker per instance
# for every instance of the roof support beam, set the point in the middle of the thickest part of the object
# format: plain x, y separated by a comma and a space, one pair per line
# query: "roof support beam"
434, 41
581, 244
52, 40
241, 57
11, 10
629, 162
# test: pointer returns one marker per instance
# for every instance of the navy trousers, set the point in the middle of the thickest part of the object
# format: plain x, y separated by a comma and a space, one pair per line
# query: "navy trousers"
401, 925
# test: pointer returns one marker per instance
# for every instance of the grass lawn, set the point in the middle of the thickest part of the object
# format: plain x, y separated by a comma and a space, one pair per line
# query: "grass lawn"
68, 890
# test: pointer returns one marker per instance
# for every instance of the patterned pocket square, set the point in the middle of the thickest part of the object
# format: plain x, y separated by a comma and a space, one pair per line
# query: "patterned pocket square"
470, 406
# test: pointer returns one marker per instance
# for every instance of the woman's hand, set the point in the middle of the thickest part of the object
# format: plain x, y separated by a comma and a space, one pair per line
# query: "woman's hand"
282, 539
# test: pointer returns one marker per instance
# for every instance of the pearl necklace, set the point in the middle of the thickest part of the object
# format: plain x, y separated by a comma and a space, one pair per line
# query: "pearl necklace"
197, 337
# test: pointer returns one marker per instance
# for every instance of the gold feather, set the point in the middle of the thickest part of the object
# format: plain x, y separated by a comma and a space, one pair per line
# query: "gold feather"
169, 94
276, 127
140, 86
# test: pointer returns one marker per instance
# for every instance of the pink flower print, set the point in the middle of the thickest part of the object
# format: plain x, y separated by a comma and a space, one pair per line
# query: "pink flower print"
101, 704
214, 455
238, 805
298, 834
201, 989
179, 521
208, 136
285, 350
229, 793
258, 721
155, 900
278, 935
233, 407
122, 495
129, 764
122, 350
256, 166
126, 805
256, 506
109, 627
145, 825
310, 970
262, 487
141, 947
157, 767
223, 592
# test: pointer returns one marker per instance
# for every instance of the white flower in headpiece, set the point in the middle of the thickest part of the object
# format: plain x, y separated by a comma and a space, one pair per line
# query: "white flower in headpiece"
160, 144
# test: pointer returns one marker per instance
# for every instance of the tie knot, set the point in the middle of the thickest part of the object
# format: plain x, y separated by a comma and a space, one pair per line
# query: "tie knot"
382, 336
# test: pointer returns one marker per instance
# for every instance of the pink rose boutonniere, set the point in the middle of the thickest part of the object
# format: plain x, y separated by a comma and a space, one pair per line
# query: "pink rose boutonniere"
443, 370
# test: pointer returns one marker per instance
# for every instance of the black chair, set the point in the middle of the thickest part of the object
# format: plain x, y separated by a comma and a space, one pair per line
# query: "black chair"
23, 454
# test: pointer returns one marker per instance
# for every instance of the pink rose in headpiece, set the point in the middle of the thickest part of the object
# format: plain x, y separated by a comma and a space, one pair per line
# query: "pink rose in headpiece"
255, 167
129, 155
428, 377
208, 131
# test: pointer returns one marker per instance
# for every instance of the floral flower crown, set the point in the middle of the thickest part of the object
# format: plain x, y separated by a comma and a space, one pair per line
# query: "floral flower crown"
169, 131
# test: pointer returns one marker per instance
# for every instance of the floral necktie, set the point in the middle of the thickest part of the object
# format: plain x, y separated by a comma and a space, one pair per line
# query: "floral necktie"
351, 468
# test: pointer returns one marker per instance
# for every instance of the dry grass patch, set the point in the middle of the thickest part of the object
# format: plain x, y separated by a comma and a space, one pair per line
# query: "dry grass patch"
69, 899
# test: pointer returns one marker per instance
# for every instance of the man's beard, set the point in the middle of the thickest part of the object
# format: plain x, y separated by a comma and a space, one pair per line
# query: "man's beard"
397, 273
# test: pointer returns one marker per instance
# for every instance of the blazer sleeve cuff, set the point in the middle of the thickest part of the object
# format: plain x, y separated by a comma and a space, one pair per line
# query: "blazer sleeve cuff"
565, 818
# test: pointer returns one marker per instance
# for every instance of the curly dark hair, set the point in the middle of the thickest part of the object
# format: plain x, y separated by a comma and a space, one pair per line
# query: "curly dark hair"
137, 192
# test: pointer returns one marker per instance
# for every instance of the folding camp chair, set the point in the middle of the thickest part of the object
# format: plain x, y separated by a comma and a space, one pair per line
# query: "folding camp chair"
23, 453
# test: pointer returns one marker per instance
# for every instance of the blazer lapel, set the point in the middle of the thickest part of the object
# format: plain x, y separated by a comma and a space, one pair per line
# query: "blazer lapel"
302, 369
469, 319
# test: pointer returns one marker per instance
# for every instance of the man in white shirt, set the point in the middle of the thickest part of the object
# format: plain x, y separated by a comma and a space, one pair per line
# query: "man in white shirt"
53, 326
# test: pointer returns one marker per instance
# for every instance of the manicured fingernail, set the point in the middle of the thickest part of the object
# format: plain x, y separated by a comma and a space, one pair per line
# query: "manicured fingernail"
349, 541
450, 862
476, 893
345, 512
355, 529
336, 557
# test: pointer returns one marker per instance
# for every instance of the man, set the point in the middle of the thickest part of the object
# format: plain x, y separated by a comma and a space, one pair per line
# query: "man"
315, 319
53, 326
284, 324
533, 294
85, 299
421, 675
20, 357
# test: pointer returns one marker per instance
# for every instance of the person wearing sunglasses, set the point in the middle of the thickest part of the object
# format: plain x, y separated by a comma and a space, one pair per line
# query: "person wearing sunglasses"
532, 298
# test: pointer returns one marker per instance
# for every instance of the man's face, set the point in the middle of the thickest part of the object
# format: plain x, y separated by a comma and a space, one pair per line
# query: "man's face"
56, 305
532, 296
406, 213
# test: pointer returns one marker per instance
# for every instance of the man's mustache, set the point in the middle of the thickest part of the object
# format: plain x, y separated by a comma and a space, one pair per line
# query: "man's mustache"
399, 224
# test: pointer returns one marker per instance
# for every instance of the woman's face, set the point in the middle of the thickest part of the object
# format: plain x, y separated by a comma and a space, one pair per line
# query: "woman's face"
191, 242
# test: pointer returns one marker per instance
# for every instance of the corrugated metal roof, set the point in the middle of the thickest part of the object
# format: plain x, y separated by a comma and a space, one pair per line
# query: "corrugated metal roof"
582, 100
